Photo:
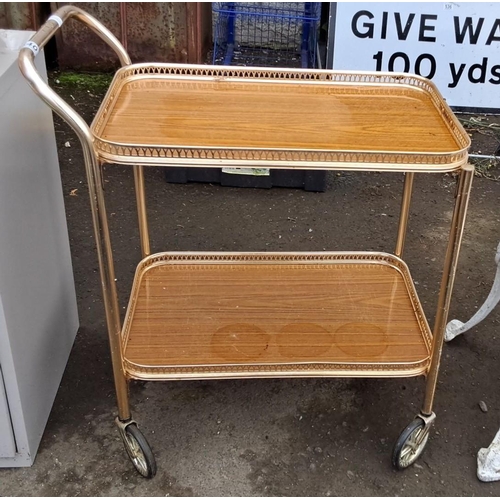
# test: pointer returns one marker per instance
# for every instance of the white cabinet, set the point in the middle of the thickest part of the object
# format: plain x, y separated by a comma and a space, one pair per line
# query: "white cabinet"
38, 312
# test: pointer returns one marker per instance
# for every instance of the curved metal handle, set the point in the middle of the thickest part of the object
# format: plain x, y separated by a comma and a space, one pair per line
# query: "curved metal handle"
40, 39
92, 167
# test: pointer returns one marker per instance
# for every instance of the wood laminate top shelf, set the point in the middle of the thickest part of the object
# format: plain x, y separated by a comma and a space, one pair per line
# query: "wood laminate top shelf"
211, 116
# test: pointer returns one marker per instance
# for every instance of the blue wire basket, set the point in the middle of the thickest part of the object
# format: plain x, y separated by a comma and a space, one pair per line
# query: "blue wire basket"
281, 34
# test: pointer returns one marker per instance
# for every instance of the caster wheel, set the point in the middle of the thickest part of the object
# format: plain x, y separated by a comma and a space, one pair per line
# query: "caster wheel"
139, 451
410, 444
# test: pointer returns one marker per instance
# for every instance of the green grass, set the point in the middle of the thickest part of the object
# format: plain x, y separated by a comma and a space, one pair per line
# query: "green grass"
95, 82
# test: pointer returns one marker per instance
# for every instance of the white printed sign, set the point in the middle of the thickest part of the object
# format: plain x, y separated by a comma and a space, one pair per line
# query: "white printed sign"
457, 45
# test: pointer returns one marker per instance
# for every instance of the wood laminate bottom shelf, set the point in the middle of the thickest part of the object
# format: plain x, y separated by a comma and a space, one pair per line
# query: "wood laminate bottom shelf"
217, 315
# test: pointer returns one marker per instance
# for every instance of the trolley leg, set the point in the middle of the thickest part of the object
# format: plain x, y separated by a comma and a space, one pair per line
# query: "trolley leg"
413, 439
106, 266
404, 214
141, 210
450, 265
134, 441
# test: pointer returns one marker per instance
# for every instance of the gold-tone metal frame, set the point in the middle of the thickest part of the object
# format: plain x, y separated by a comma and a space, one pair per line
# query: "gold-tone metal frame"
96, 152
93, 171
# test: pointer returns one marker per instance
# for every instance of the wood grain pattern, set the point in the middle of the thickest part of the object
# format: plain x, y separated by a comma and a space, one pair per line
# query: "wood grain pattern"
277, 313
294, 116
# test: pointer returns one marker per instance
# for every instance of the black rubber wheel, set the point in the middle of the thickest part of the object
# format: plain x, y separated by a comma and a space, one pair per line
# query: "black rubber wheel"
139, 451
410, 444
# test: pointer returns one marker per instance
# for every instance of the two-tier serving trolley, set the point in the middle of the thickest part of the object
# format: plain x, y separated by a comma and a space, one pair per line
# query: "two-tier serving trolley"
218, 315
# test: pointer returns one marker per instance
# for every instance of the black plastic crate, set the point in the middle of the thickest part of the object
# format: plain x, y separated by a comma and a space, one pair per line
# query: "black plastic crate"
309, 180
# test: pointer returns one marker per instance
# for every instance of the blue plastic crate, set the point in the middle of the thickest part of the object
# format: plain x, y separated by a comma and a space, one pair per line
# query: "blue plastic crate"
266, 33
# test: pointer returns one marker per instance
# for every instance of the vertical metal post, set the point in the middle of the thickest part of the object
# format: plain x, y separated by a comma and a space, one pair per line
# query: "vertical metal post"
332, 18
450, 265
404, 214
306, 28
140, 196
231, 21
107, 272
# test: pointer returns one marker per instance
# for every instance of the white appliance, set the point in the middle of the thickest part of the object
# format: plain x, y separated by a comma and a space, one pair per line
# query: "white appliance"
38, 311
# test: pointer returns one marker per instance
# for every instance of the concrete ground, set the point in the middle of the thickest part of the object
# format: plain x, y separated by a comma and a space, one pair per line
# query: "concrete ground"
315, 437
